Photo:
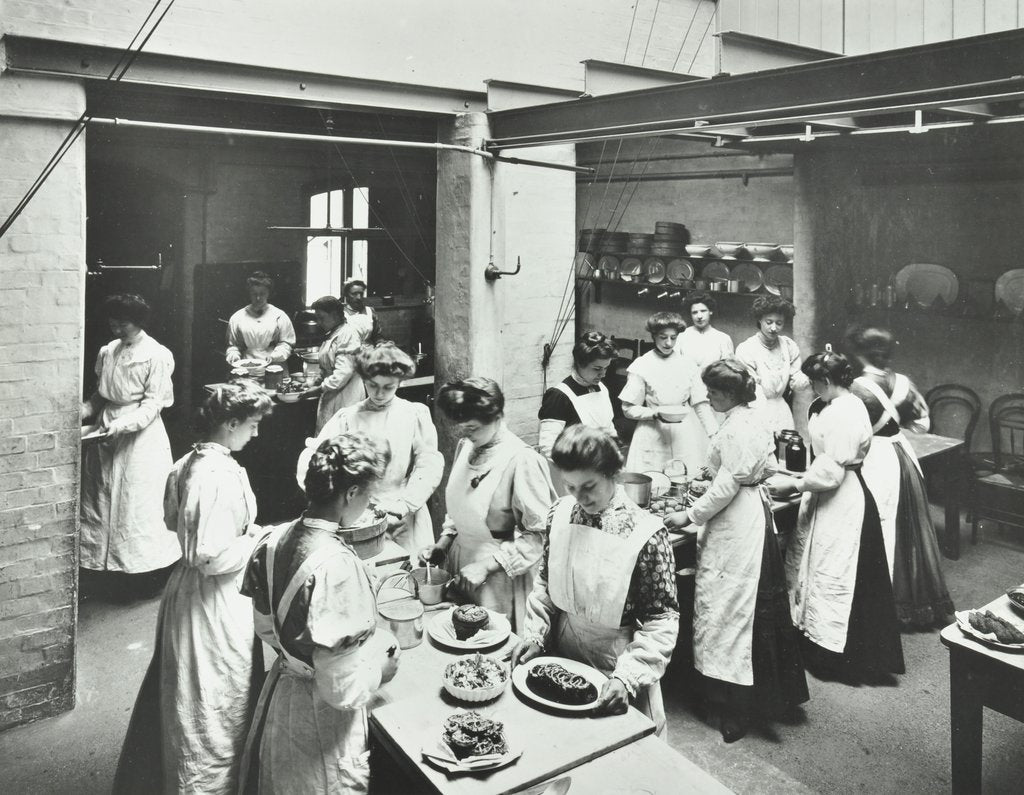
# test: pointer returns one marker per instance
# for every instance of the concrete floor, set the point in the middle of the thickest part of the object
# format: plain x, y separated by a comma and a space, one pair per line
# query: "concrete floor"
848, 739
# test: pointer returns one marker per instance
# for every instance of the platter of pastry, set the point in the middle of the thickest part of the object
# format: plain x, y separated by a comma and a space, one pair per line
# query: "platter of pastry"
471, 742
469, 628
559, 683
991, 629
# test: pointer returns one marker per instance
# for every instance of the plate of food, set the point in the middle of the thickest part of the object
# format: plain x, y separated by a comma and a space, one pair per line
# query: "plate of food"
470, 742
91, 433
475, 678
469, 628
559, 683
1016, 597
986, 626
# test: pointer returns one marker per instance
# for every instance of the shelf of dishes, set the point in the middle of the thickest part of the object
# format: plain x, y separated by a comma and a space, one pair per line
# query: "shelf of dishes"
937, 290
657, 274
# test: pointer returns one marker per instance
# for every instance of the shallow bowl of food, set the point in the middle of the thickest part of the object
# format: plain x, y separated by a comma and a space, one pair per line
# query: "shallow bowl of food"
289, 397
254, 367
672, 413
475, 679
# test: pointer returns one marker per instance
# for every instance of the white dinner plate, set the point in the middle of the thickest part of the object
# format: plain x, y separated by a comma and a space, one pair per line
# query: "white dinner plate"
654, 270
592, 675
778, 276
679, 271
924, 282
441, 630
749, 275
1010, 290
716, 271
440, 756
964, 623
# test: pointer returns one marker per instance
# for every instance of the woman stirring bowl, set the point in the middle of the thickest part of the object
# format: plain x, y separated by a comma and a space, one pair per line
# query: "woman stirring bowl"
416, 466
605, 593
744, 643
498, 496
659, 382
313, 602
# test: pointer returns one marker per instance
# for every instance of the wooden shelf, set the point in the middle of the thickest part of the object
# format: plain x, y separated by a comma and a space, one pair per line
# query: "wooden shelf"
653, 290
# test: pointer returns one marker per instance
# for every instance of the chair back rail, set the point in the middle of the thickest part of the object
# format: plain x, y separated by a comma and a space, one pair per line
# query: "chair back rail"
1006, 426
954, 411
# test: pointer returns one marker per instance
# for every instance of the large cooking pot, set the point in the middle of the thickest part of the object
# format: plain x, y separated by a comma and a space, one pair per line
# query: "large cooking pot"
398, 609
637, 487
307, 333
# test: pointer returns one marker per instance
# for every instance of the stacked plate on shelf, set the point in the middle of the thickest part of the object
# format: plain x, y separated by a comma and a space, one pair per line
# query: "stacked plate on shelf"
669, 239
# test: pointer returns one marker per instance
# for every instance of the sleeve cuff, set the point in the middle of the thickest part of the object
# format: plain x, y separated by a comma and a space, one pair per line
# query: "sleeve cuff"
629, 682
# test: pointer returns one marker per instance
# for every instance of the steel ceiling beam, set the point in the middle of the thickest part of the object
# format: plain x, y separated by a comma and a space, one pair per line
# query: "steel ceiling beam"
963, 71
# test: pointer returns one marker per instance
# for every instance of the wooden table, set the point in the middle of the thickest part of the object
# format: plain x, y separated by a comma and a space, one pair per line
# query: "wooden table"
551, 743
941, 457
979, 676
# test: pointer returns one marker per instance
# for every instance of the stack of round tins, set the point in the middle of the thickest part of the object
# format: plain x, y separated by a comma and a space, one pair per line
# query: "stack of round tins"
590, 240
614, 243
670, 239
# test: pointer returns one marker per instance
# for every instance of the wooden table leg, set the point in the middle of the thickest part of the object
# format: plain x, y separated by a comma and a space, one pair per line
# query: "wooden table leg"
965, 724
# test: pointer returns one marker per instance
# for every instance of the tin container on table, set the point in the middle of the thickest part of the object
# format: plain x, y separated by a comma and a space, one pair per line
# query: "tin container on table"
273, 376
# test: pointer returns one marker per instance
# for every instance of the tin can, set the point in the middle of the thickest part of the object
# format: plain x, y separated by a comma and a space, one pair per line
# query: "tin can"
273, 376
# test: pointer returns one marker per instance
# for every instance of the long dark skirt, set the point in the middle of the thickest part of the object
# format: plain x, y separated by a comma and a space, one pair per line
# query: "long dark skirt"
919, 588
779, 680
873, 642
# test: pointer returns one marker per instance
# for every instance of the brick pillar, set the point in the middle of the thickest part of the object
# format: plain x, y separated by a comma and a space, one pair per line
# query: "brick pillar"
497, 212
42, 260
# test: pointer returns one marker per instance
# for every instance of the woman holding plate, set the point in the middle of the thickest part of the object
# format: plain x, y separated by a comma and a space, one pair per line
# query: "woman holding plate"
744, 643
666, 397
605, 592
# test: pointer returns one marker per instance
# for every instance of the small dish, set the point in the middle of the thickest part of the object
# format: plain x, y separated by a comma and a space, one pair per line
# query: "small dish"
762, 251
729, 250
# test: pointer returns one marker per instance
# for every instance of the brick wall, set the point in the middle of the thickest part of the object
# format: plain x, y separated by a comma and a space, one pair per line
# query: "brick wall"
41, 284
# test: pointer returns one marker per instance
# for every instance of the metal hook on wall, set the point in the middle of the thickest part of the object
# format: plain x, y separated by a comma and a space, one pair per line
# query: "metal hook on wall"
491, 272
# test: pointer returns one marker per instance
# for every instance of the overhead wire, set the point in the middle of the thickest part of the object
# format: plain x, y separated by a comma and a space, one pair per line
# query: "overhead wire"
650, 31
696, 52
119, 70
696, 8
636, 5
406, 194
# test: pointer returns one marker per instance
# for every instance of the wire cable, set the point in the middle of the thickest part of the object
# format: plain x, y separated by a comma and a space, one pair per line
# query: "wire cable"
636, 5
696, 7
654, 19
406, 194
704, 36
119, 70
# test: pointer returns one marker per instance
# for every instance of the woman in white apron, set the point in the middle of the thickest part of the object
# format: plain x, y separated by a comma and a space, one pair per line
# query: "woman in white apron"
701, 341
313, 602
357, 314
662, 382
893, 474
605, 593
196, 702
498, 495
744, 642
341, 386
123, 474
836, 571
260, 330
774, 359
416, 466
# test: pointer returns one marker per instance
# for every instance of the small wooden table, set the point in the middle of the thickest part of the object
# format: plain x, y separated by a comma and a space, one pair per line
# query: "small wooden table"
552, 743
979, 676
941, 456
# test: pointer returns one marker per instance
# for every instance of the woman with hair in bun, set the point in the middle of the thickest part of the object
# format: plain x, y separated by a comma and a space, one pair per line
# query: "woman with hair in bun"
836, 571
744, 643
605, 592
314, 603
341, 385
123, 474
774, 359
894, 476
662, 385
196, 702
416, 465
580, 397
259, 330
498, 495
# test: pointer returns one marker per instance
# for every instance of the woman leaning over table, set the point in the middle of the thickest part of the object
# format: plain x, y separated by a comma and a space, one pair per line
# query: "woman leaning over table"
894, 476
498, 496
193, 710
605, 593
341, 385
743, 637
313, 602
836, 571
416, 465
660, 382
123, 474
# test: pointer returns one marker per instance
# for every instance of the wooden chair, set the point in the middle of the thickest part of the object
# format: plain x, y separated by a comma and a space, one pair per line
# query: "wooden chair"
998, 489
954, 411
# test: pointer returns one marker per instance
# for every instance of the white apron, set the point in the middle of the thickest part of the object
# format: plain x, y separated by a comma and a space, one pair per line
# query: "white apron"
882, 466
729, 552
821, 563
362, 322
654, 442
350, 394
305, 744
589, 572
467, 508
595, 411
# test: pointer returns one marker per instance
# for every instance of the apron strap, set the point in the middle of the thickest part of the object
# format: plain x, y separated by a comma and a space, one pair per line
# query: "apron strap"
309, 565
889, 411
